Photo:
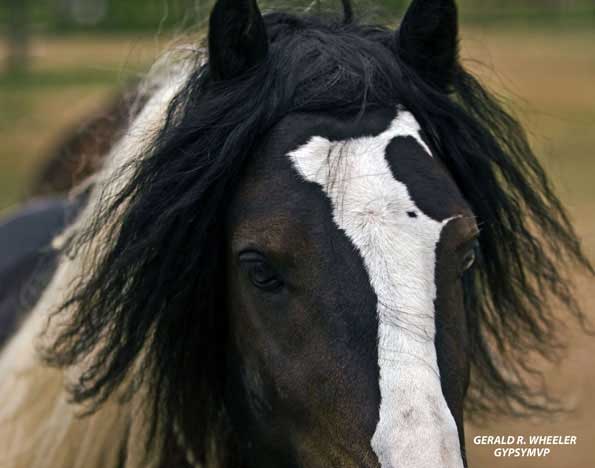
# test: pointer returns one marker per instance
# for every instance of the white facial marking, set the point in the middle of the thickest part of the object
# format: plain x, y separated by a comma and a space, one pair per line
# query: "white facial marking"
416, 428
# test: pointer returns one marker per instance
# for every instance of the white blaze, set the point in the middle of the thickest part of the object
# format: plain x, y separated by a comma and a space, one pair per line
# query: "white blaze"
416, 428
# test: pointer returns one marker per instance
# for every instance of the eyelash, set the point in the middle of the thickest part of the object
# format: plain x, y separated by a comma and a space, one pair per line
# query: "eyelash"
470, 256
259, 272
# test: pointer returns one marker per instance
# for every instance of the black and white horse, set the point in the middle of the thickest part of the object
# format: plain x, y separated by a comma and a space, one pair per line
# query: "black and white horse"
313, 248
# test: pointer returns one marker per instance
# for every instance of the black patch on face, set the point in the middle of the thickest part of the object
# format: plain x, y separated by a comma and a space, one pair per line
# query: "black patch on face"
428, 183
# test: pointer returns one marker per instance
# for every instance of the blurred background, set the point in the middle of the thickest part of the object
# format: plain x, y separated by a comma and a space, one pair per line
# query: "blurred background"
65, 62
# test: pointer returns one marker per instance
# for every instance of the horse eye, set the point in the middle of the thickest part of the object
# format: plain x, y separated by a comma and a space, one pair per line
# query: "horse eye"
470, 256
260, 273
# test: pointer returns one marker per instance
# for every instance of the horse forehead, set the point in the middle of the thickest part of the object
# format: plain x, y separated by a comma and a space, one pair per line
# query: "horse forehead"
379, 175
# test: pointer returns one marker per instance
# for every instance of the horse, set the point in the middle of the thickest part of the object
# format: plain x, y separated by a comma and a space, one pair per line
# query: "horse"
80, 151
320, 243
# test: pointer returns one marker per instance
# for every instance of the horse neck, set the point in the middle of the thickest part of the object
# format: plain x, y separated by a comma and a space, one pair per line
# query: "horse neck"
38, 425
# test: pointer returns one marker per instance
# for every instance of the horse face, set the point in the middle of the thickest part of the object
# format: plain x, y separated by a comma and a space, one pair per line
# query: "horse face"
346, 241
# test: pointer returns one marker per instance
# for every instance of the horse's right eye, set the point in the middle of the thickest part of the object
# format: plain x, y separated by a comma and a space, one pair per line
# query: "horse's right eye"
469, 256
260, 273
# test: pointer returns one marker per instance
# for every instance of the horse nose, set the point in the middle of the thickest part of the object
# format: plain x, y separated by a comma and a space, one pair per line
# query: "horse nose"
424, 446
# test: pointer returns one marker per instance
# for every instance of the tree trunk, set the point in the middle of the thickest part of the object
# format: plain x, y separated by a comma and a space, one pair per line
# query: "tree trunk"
18, 35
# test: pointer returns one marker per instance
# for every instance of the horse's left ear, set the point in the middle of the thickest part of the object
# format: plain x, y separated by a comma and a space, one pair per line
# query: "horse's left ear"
237, 38
427, 40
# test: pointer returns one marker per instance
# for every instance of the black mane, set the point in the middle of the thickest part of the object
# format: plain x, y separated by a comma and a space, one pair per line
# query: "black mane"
152, 307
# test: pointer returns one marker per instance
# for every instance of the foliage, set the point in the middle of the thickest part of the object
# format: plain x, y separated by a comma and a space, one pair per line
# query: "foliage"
62, 16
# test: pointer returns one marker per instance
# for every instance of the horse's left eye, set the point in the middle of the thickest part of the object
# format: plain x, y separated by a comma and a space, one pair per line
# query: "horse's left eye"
260, 273
470, 256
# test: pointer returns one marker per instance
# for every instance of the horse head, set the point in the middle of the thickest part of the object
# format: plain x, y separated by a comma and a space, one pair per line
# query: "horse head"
317, 248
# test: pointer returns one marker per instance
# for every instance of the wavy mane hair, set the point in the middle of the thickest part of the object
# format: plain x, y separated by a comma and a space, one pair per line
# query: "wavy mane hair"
148, 308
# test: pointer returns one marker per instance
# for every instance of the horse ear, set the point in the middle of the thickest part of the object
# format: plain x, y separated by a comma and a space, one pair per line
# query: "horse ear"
237, 38
427, 40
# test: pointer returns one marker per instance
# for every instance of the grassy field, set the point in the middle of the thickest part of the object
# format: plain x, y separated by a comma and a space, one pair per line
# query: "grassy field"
548, 76
69, 78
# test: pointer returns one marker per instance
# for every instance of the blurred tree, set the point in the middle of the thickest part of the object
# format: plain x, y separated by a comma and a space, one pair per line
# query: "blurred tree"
65, 16
18, 35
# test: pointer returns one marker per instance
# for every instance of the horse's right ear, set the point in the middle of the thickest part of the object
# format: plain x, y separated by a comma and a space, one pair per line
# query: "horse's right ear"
427, 40
237, 38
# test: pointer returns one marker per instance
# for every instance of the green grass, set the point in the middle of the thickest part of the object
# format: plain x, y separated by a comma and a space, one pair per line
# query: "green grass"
33, 115
124, 17
63, 78
68, 79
